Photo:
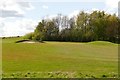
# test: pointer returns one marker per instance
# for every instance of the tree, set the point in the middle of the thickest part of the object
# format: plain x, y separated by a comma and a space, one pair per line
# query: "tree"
82, 24
98, 24
51, 30
86, 27
39, 32
112, 30
57, 21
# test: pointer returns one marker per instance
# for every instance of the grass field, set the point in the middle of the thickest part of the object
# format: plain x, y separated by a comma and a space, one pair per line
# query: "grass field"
59, 59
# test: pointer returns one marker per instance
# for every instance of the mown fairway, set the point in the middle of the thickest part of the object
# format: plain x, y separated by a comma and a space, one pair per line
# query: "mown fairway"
98, 59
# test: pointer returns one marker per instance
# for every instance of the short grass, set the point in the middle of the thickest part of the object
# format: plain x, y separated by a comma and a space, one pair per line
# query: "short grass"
59, 59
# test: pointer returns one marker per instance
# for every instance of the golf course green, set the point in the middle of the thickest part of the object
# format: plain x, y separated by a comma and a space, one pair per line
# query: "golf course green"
59, 59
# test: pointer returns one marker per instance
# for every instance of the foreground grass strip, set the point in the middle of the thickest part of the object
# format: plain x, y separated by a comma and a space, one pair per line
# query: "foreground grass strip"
56, 75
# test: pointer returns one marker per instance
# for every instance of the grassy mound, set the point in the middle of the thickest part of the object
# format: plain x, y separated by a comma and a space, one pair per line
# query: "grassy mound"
102, 43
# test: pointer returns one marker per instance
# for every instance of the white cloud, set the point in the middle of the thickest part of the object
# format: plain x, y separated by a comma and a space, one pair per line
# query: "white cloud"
111, 6
18, 27
50, 17
74, 13
9, 23
11, 5
1, 26
13, 8
111, 3
45, 7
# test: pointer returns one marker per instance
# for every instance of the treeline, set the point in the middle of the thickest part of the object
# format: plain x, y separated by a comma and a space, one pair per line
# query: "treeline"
85, 27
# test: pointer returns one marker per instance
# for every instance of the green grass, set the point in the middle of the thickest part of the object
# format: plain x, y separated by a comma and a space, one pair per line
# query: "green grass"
59, 59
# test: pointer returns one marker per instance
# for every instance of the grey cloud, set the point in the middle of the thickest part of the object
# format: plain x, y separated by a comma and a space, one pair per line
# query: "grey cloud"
30, 28
14, 13
24, 4
10, 13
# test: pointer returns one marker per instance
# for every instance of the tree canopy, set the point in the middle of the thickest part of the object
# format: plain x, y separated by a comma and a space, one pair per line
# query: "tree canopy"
86, 27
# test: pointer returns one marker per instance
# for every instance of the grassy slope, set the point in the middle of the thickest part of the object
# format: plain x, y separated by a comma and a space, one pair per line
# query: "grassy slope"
88, 58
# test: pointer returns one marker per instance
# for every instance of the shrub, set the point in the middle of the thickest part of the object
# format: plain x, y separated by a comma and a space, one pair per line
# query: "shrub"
38, 37
28, 36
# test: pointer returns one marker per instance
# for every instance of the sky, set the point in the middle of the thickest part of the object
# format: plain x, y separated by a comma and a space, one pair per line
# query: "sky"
18, 17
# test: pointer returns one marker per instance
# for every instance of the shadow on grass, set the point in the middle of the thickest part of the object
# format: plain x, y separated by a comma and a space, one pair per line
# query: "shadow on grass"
27, 40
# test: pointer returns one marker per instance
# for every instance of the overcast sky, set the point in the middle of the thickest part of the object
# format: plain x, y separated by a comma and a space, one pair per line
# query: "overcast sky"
19, 17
